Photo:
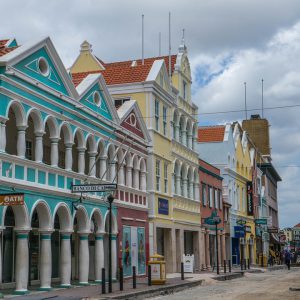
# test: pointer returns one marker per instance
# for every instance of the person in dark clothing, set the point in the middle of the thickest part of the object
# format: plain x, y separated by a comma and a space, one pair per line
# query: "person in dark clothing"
287, 257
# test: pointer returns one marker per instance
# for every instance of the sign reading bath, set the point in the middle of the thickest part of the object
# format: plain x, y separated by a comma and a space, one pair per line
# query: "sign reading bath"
12, 199
85, 188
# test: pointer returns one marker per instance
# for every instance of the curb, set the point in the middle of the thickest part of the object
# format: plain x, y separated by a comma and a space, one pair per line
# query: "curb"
162, 290
229, 276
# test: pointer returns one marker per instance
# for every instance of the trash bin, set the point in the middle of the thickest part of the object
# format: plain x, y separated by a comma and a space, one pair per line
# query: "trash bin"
158, 269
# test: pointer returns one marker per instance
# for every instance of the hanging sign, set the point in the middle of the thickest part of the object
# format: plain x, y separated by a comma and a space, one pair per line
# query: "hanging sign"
84, 188
249, 198
12, 199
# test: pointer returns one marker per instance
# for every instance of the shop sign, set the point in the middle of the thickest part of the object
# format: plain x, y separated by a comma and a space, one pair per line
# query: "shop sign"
163, 206
241, 222
248, 228
265, 237
12, 199
85, 188
249, 198
239, 231
261, 221
188, 263
272, 230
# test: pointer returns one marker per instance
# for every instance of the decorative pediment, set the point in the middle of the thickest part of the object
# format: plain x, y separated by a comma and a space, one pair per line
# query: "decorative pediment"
132, 123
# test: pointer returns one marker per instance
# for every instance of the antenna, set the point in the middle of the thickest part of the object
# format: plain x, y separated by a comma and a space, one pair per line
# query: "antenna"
183, 31
170, 46
245, 83
262, 98
142, 39
159, 44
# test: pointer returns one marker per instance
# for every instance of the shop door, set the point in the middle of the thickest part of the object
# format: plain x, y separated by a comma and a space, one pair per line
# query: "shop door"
235, 251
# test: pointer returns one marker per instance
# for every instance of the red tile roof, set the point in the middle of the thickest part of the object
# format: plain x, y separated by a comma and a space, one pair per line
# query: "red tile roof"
3, 43
298, 225
122, 72
4, 51
211, 134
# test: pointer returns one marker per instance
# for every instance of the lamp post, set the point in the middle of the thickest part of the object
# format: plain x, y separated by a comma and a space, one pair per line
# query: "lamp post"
110, 200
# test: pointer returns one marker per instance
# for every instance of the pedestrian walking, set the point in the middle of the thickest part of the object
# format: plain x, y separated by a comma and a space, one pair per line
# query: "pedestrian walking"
287, 257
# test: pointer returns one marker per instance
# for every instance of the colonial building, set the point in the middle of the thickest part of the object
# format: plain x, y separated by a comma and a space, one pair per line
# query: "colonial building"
54, 135
162, 88
211, 203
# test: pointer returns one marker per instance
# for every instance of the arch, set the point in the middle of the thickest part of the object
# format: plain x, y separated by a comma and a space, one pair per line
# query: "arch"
189, 127
83, 221
142, 163
64, 214
91, 143
110, 150
96, 213
37, 119
19, 112
78, 133
44, 214
177, 167
21, 216
114, 226
65, 129
135, 162
101, 147
52, 125
176, 117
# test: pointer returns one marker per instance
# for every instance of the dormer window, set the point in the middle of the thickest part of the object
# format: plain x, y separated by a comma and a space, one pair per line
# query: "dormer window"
43, 66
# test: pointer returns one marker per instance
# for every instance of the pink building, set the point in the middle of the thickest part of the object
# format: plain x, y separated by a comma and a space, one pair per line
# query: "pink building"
211, 202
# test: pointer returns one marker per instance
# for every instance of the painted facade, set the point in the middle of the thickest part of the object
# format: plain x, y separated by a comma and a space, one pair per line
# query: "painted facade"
170, 116
54, 135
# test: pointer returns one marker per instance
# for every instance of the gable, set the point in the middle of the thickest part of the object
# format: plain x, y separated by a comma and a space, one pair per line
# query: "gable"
132, 124
96, 101
40, 67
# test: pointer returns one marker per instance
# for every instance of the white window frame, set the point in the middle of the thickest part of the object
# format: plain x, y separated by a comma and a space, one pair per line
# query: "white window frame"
157, 174
164, 120
156, 108
166, 177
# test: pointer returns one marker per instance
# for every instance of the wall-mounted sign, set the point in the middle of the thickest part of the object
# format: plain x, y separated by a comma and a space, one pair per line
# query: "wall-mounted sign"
241, 222
261, 221
250, 209
239, 231
12, 199
248, 228
163, 206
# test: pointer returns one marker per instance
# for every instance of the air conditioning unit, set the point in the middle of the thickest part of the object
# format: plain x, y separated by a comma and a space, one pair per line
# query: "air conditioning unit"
242, 241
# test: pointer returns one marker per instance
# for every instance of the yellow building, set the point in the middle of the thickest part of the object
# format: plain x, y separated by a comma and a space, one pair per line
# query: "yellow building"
244, 210
162, 88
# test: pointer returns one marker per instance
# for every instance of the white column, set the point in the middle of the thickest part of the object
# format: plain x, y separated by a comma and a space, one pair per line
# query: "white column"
39, 146
81, 160
22, 262
103, 167
65, 259
99, 256
183, 137
114, 255
143, 181
54, 151
83, 258
190, 139
184, 187
136, 178
178, 188
197, 191
177, 132
121, 175
129, 176
191, 188
45, 261
92, 166
2, 137
21, 144
68, 156
194, 142
112, 170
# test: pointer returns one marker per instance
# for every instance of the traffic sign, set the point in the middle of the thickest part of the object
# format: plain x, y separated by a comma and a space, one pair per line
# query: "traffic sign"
261, 221
12, 199
85, 188
241, 222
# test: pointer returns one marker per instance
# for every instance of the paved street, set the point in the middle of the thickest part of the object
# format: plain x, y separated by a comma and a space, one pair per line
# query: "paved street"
271, 285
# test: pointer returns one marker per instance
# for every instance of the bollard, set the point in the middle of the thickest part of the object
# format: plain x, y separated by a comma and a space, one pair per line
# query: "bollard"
134, 277
224, 266
248, 263
229, 265
121, 279
182, 271
149, 275
103, 281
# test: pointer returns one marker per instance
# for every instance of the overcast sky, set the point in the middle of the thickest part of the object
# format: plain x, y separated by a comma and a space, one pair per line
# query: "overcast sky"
229, 42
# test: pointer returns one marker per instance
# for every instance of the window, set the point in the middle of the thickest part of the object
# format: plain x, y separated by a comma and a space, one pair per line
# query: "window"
184, 90
156, 115
157, 172
166, 177
216, 199
165, 120
220, 199
180, 132
210, 196
204, 194
28, 153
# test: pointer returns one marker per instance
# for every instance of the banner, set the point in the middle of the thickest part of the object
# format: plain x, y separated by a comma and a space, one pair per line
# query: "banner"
127, 268
250, 209
141, 249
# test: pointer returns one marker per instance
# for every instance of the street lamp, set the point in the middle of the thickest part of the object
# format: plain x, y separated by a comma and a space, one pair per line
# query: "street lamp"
110, 200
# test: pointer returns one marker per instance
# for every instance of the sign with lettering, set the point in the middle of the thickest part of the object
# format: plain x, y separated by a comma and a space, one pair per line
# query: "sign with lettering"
261, 221
250, 209
85, 188
239, 231
12, 199
163, 206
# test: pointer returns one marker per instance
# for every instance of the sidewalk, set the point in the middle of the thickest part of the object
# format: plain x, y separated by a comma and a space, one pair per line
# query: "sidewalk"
142, 291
